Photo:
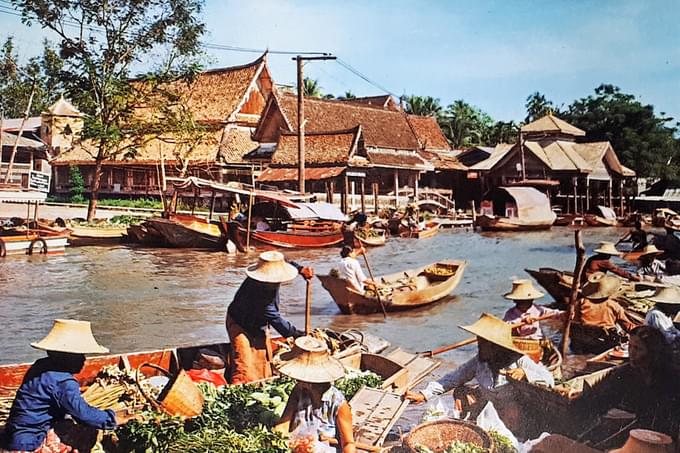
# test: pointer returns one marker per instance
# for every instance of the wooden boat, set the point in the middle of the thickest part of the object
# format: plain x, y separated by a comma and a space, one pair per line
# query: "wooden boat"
515, 209
187, 231
19, 241
87, 235
373, 238
556, 282
403, 290
297, 237
145, 234
605, 218
431, 228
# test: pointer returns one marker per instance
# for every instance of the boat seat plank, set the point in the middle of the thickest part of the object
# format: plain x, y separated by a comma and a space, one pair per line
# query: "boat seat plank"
374, 412
418, 367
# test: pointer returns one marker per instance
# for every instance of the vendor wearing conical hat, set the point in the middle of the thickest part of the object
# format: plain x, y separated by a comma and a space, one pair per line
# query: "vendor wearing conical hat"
666, 308
650, 268
601, 262
523, 295
497, 356
49, 392
254, 309
600, 322
315, 404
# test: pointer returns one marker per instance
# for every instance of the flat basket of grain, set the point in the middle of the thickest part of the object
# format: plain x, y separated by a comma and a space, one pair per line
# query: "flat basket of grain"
437, 436
440, 271
180, 396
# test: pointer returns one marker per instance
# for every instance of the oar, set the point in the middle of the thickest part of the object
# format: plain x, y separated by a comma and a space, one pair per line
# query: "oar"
308, 307
377, 291
468, 341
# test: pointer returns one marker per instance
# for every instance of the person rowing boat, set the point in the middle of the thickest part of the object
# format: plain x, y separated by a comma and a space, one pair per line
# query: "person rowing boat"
601, 262
523, 295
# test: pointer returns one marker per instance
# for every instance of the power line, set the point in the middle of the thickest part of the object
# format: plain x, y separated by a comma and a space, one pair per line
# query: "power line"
356, 72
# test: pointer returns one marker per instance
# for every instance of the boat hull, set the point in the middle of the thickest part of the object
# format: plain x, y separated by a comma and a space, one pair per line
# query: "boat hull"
189, 232
31, 243
426, 292
297, 239
80, 236
373, 241
488, 223
598, 221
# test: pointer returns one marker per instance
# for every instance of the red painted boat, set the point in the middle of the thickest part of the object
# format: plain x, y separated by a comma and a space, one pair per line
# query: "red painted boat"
293, 237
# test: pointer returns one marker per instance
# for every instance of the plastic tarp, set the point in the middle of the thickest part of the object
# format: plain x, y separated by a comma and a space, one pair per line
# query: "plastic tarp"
321, 211
533, 207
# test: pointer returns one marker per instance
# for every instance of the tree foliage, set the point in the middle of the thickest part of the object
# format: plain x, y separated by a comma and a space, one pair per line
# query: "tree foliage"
312, 88
538, 106
424, 106
101, 41
643, 140
465, 125
17, 80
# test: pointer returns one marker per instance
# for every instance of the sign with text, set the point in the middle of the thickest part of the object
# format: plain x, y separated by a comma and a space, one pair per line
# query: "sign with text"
39, 181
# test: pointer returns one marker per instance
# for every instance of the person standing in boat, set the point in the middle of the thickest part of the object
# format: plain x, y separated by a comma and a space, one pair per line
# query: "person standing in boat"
523, 295
256, 307
49, 392
637, 237
600, 323
601, 262
650, 268
497, 357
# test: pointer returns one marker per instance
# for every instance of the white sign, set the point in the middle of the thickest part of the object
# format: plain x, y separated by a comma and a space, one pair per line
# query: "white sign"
356, 174
39, 181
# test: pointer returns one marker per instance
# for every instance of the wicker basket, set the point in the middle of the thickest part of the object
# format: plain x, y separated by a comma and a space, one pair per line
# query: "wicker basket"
180, 396
532, 348
449, 271
438, 435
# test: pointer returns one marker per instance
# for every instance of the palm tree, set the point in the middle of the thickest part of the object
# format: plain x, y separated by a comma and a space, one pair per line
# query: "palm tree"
348, 95
423, 105
503, 132
312, 88
465, 125
537, 107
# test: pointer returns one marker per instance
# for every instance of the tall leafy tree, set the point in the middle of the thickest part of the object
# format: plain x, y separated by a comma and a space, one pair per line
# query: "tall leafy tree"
101, 41
465, 125
644, 141
537, 106
312, 88
348, 95
502, 132
424, 106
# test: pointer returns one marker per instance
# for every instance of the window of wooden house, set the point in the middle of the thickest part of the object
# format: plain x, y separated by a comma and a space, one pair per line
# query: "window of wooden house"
139, 178
119, 176
61, 176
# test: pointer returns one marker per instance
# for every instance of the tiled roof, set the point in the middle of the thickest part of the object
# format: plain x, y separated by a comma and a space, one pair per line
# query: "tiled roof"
599, 153
291, 174
236, 143
381, 128
320, 147
552, 124
559, 156
428, 132
501, 150
9, 139
14, 124
149, 152
383, 101
442, 160
410, 160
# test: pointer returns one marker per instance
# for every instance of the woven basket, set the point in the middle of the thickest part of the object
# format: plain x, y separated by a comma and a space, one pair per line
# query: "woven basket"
532, 348
438, 435
180, 396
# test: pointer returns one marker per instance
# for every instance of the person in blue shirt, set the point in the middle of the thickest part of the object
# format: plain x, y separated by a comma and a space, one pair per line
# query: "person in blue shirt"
49, 392
256, 307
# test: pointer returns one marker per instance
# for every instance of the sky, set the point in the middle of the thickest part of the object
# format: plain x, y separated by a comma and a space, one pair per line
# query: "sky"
492, 54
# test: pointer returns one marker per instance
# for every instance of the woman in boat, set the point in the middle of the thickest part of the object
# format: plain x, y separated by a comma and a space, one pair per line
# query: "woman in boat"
256, 307
350, 229
523, 295
497, 357
350, 269
637, 237
600, 323
49, 392
666, 308
601, 262
650, 268
315, 405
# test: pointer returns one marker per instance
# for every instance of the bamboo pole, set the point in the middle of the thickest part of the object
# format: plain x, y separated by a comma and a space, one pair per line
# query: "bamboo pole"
575, 288
308, 306
377, 292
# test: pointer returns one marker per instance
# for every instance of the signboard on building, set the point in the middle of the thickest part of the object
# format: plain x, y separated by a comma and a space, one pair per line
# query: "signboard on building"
39, 181
356, 174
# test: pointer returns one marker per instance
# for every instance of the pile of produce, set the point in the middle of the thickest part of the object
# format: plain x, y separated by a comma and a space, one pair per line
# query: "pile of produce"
5, 406
441, 271
457, 446
116, 388
355, 379
501, 444
364, 234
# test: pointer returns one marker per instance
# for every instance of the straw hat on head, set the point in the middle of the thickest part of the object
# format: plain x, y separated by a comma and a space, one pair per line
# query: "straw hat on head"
672, 223
646, 441
68, 335
523, 290
667, 295
272, 267
493, 330
650, 250
309, 361
607, 248
601, 286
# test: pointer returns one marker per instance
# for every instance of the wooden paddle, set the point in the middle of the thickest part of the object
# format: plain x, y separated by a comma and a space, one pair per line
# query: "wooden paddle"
308, 307
377, 291
575, 287
468, 341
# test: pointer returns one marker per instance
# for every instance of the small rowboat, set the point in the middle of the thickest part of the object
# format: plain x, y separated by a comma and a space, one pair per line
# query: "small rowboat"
431, 228
404, 290
186, 231
30, 241
599, 221
372, 238
80, 235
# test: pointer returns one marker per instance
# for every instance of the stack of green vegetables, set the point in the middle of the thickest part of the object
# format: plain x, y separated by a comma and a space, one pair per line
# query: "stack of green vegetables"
501, 444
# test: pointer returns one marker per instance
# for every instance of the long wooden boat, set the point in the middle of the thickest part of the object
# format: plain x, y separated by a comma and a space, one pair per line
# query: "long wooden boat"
431, 228
556, 282
405, 290
515, 209
145, 234
187, 231
599, 221
87, 235
492, 223
31, 241
373, 239
297, 237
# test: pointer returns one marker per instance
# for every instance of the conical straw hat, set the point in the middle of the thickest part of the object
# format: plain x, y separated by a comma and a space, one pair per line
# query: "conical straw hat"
493, 330
68, 335
272, 268
523, 290
667, 295
607, 248
309, 361
601, 286
646, 441
650, 250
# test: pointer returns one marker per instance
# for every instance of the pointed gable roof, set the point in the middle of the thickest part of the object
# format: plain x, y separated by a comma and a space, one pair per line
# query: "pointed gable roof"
63, 108
335, 147
550, 124
429, 133
382, 101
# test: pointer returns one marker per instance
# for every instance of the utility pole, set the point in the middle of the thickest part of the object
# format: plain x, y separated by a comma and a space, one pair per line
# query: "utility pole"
301, 115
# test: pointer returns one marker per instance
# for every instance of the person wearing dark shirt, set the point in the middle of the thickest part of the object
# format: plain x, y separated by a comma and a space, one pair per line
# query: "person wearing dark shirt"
601, 262
49, 392
256, 307
637, 237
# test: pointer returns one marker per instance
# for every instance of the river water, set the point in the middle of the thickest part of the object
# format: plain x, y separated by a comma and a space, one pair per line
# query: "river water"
141, 298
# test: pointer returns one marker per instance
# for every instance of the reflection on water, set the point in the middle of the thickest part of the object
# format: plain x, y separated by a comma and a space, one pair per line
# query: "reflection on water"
141, 298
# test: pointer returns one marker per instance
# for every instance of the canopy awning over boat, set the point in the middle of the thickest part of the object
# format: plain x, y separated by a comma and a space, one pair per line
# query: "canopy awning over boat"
607, 213
291, 174
533, 207
194, 183
321, 211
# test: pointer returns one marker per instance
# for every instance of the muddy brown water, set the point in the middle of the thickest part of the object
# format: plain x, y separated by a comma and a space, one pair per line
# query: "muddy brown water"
143, 298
